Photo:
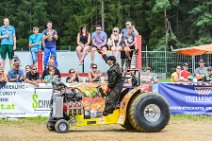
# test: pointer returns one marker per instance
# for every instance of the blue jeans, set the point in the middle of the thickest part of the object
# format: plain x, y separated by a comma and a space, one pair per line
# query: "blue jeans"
34, 56
47, 52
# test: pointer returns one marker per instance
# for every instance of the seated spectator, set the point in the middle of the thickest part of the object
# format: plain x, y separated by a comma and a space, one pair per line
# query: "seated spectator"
134, 79
83, 42
3, 78
148, 76
50, 66
73, 77
15, 74
176, 75
208, 77
129, 39
33, 76
200, 71
99, 41
51, 77
27, 69
115, 40
53, 59
184, 74
94, 75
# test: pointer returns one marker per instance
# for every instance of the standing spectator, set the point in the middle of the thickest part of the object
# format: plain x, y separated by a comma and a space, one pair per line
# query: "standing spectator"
83, 42
15, 74
33, 76
8, 41
35, 41
99, 41
129, 39
3, 78
49, 43
73, 77
184, 74
47, 70
116, 40
176, 75
94, 75
200, 71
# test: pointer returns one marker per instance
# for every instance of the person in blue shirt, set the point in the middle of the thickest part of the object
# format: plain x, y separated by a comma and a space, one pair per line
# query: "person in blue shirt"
16, 74
49, 43
99, 41
8, 41
35, 41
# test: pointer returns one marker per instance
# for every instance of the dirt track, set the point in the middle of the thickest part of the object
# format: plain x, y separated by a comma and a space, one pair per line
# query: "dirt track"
177, 130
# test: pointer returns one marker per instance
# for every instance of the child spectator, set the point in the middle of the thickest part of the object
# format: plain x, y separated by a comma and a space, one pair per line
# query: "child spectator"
35, 41
176, 75
51, 77
184, 74
50, 66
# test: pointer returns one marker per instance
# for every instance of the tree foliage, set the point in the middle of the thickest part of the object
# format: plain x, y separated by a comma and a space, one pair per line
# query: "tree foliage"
174, 23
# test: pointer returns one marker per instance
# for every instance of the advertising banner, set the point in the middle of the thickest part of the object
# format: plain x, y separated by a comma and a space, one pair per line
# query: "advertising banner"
24, 100
187, 99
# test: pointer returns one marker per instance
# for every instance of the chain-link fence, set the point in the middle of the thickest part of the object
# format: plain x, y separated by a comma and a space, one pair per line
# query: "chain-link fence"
166, 62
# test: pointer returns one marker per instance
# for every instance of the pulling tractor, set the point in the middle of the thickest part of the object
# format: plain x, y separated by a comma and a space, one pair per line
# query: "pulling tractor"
137, 108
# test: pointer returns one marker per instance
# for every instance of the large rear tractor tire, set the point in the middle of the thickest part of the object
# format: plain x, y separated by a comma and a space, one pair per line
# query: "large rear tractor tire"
149, 112
61, 126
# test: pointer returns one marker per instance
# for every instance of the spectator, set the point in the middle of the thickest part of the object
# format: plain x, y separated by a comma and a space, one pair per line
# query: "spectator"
8, 41
99, 41
83, 42
16, 74
73, 77
176, 75
127, 25
33, 77
35, 41
49, 43
94, 75
200, 71
148, 76
115, 39
53, 59
51, 77
3, 78
208, 77
184, 74
129, 39
47, 70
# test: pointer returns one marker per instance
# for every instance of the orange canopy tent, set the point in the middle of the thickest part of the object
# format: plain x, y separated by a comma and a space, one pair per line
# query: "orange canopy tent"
195, 50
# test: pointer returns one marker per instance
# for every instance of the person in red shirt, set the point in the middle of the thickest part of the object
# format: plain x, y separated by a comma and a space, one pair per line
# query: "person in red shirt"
184, 74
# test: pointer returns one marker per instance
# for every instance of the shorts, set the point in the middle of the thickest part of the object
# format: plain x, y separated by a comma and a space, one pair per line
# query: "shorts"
123, 55
7, 49
96, 47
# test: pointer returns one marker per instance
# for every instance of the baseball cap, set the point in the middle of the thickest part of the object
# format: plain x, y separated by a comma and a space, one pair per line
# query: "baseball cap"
112, 58
209, 68
185, 64
201, 60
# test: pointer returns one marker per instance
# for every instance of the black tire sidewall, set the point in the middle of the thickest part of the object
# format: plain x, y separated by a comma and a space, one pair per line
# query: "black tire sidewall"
164, 115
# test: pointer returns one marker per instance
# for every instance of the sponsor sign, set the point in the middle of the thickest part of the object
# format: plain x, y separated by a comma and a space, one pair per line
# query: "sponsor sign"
187, 99
24, 100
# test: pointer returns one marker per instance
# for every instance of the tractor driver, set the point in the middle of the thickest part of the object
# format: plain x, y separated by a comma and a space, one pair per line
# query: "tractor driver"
115, 84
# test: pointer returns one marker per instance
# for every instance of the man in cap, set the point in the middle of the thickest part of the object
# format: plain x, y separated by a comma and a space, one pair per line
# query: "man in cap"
115, 83
16, 74
184, 74
208, 76
200, 71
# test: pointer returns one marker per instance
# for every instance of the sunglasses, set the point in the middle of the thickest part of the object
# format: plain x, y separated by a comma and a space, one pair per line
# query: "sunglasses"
115, 31
178, 68
98, 29
34, 69
127, 24
94, 67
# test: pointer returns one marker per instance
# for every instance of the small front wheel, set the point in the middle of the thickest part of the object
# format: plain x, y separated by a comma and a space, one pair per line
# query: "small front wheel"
61, 126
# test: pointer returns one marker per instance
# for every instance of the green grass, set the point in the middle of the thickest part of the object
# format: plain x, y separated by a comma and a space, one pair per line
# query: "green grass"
164, 80
23, 120
191, 117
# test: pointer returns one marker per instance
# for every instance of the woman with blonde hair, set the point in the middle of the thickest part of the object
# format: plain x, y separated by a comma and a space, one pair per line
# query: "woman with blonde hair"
115, 40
